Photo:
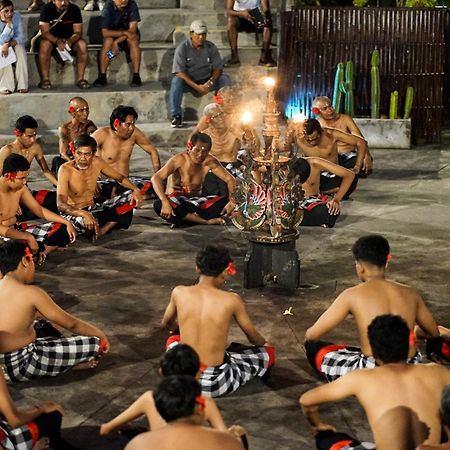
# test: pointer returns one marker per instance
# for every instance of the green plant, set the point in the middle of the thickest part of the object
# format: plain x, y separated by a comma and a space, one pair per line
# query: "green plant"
360, 3
408, 102
337, 93
347, 88
375, 85
393, 107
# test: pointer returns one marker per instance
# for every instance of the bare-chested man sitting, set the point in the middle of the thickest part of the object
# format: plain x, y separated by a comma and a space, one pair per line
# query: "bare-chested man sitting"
26, 145
178, 401
28, 347
77, 182
45, 237
401, 401
375, 296
115, 145
320, 210
78, 124
317, 142
184, 200
204, 312
329, 118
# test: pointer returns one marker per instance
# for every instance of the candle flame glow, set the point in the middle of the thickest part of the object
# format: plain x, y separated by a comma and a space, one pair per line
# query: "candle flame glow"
269, 82
246, 117
299, 117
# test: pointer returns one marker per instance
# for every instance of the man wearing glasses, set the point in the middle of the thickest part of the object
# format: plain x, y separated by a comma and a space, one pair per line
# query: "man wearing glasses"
77, 185
115, 145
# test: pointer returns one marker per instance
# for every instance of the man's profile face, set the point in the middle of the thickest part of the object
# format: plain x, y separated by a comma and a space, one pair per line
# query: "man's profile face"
81, 111
217, 119
199, 152
28, 137
83, 157
61, 5
126, 129
326, 110
313, 138
19, 181
198, 39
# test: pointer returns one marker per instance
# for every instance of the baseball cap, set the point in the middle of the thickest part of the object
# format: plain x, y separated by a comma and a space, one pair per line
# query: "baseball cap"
198, 27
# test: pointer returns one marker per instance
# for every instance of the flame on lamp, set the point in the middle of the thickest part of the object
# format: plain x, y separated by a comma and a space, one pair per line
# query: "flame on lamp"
246, 117
298, 118
269, 82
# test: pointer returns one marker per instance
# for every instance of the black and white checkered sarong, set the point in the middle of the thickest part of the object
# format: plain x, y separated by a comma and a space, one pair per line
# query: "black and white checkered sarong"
121, 203
238, 368
19, 438
337, 363
40, 231
48, 357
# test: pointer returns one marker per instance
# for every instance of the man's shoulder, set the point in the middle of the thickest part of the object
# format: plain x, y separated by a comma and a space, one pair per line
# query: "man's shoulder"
6, 150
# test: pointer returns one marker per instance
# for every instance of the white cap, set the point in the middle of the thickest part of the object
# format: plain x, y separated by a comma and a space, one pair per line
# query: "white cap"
198, 27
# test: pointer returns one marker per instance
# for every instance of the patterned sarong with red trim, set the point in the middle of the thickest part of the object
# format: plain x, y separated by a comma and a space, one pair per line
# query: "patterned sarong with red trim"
332, 440
117, 209
20, 438
109, 188
316, 212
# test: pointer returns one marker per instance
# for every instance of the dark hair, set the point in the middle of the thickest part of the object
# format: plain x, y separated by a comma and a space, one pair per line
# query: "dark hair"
24, 122
11, 253
15, 163
201, 137
181, 359
312, 125
212, 260
301, 168
121, 112
445, 406
5, 4
389, 338
84, 140
373, 249
175, 397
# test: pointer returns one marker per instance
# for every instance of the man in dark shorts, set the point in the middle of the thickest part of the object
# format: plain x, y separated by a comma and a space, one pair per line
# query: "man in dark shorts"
120, 32
250, 16
61, 26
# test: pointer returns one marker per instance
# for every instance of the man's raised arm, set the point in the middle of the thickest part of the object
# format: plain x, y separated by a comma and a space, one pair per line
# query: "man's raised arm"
359, 143
44, 167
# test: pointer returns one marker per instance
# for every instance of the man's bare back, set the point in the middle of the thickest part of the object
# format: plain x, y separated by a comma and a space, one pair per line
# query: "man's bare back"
326, 148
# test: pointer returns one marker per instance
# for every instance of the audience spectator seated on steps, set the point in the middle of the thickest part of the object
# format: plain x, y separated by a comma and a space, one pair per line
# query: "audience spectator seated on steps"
69, 131
120, 32
12, 40
179, 402
197, 68
179, 360
250, 16
32, 348
94, 5
61, 26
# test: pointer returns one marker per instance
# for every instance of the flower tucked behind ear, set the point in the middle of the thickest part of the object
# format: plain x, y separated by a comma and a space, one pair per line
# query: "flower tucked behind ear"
71, 147
71, 109
201, 403
190, 145
389, 257
218, 99
208, 120
17, 132
315, 111
231, 269
11, 176
116, 123
28, 254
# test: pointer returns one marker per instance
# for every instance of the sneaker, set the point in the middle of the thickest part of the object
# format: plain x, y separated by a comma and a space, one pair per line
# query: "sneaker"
136, 80
101, 80
176, 122
90, 5
101, 5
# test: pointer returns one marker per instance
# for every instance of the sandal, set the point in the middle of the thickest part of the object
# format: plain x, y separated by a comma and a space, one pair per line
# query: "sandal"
5, 92
232, 63
45, 85
23, 91
83, 84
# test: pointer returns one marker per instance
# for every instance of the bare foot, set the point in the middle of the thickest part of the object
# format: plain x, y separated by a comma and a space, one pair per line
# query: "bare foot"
92, 364
41, 444
218, 221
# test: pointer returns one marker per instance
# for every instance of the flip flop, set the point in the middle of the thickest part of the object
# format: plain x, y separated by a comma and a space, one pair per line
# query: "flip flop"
45, 85
23, 91
83, 84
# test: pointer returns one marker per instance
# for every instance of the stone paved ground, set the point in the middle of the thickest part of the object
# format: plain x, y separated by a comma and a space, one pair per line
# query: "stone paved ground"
123, 283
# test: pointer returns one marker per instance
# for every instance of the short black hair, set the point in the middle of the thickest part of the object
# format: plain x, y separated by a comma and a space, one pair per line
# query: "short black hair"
15, 163
84, 140
201, 137
11, 253
312, 125
445, 406
24, 122
175, 397
181, 359
372, 248
301, 168
121, 112
389, 338
212, 260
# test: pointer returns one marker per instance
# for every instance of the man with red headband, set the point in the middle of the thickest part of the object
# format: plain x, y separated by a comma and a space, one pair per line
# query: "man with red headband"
203, 313
375, 296
115, 145
32, 348
26, 145
78, 124
57, 232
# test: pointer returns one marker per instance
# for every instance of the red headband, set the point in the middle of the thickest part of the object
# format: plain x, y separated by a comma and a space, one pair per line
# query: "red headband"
71, 109
316, 110
17, 132
231, 269
218, 99
117, 123
11, 176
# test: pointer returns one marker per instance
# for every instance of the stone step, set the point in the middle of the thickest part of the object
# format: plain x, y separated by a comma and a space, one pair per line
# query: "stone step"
156, 25
156, 66
150, 101
221, 5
